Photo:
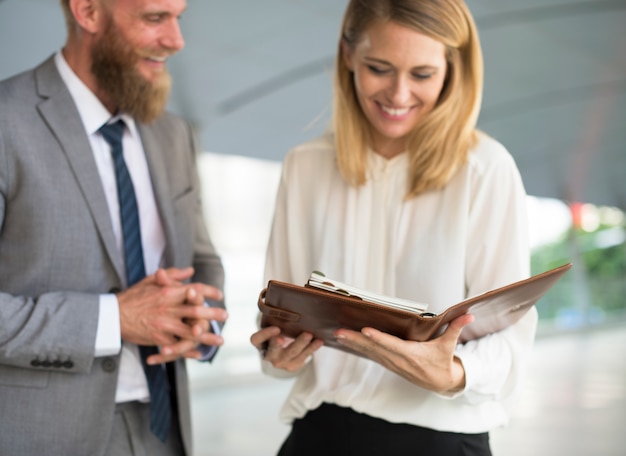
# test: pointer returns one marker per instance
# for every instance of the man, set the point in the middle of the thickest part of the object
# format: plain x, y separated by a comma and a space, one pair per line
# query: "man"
103, 250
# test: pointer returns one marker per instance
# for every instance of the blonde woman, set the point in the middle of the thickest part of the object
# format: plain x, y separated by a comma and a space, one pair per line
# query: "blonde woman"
403, 197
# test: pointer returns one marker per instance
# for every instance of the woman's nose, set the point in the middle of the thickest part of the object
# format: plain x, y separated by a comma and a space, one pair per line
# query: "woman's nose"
400, 91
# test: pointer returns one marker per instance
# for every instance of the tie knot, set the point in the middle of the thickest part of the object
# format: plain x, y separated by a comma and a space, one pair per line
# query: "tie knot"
112, 133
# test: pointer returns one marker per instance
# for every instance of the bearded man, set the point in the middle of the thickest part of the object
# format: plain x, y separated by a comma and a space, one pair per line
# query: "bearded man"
106, 266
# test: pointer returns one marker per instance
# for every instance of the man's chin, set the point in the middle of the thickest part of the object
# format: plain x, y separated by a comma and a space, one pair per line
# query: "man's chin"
147, 99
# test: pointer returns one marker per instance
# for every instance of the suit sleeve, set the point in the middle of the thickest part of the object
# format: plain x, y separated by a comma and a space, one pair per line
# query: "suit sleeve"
41, 328
207, 263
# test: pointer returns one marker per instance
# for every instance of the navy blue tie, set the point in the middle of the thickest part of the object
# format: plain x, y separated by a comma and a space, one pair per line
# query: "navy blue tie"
160, 406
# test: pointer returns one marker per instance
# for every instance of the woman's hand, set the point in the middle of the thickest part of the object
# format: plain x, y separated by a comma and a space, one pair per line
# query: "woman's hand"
284, 352
431, 365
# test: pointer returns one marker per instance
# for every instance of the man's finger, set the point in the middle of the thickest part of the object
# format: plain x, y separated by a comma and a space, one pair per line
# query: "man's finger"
172, 276
193, 297
172, 352
199, 327
178, 274
160, 359
211, 339
201, 313
208, 291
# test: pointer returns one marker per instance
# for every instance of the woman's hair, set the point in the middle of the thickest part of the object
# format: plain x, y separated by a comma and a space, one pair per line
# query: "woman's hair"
441, 141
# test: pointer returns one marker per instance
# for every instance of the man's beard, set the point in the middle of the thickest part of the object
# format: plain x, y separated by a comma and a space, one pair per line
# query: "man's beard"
114, 67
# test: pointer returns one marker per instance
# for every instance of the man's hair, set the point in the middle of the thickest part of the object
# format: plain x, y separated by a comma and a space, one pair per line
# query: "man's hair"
67, 12
440, 143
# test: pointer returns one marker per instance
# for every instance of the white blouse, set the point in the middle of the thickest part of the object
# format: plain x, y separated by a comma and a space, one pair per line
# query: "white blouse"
439, 248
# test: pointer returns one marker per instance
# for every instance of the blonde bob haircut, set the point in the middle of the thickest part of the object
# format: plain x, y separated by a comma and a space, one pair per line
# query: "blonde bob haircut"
440, 143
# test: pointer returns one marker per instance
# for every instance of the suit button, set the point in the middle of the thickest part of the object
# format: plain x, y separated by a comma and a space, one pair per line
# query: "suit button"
57, 364
68, 364
35, 363
109, 364
46, 363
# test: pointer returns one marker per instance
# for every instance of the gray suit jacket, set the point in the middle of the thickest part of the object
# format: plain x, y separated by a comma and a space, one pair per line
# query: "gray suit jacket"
58, 253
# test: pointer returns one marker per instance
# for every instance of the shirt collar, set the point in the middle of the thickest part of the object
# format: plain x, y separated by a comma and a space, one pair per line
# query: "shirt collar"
378, 166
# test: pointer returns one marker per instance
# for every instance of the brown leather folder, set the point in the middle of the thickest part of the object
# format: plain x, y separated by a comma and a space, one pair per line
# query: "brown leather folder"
296, 309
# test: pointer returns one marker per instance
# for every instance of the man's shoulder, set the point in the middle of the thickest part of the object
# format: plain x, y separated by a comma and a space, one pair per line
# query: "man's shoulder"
17, 77
15, 84
20, 87
18, 94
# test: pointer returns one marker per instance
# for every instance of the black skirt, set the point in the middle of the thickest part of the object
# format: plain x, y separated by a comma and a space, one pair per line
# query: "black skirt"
332, 430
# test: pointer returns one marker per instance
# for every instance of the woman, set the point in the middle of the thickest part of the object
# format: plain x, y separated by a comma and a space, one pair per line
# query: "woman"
404, 198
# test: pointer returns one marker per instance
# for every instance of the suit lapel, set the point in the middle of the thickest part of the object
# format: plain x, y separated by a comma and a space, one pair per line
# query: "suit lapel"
156, 147
61, 115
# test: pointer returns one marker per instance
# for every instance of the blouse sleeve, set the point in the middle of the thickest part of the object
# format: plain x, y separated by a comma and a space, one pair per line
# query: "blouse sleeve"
277, 262
498, 253
277, 258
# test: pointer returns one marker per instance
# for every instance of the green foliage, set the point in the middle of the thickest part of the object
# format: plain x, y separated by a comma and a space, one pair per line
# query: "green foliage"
594, 290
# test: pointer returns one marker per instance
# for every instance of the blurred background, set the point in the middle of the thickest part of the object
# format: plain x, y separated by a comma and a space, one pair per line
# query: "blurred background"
255, 79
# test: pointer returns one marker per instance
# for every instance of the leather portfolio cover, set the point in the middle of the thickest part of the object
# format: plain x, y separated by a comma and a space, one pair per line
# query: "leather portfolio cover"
296, 308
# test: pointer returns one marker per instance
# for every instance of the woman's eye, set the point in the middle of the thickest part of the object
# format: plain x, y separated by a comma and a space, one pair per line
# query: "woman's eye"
422, 75
376, 70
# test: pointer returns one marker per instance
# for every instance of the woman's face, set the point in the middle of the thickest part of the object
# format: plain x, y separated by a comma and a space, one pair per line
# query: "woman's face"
398, 75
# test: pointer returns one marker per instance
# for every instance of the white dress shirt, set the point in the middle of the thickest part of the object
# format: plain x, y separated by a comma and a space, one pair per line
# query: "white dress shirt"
132, 384
439, 248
